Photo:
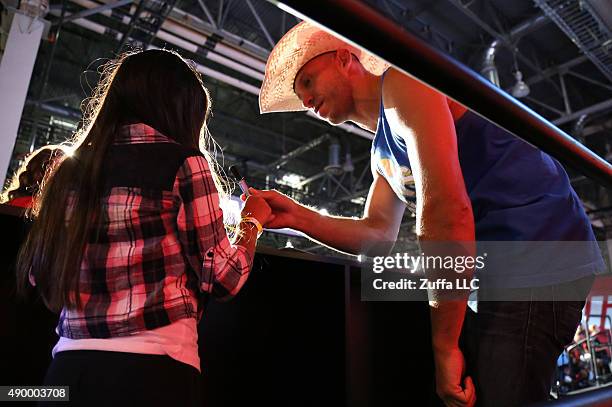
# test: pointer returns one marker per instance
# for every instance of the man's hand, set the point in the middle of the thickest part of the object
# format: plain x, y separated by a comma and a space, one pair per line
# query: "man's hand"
451, 387
373, 234
284, 209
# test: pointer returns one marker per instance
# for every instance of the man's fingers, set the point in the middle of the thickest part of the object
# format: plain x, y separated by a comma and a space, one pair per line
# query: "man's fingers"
457, 398
261, 194
453, 402
465, 397
469, 390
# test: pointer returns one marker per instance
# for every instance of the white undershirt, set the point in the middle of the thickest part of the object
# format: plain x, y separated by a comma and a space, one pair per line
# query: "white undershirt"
178, 340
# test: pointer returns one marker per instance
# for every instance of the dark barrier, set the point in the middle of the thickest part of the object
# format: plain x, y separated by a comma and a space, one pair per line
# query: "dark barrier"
364, 26
26, 328
296, 335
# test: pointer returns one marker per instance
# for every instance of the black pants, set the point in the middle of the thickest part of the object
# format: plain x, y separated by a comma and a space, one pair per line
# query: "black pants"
511, 347
123, 379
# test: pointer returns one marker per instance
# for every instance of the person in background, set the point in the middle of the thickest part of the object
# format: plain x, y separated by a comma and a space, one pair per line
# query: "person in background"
26, 182
128, 241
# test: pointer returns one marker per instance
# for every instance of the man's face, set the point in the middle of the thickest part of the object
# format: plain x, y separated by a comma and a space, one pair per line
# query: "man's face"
322, 87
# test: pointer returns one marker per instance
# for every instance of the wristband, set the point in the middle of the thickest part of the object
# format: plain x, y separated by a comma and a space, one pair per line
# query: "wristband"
253, 221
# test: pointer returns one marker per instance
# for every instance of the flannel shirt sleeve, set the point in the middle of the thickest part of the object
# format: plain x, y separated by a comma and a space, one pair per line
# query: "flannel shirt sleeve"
222, 268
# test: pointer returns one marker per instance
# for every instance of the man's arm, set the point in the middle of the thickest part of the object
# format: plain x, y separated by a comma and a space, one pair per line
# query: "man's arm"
373, 234
444, 213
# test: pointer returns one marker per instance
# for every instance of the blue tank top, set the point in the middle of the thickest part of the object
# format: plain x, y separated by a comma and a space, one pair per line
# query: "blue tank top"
518, 193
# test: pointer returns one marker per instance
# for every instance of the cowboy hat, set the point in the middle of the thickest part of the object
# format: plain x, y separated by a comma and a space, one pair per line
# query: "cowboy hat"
299, 45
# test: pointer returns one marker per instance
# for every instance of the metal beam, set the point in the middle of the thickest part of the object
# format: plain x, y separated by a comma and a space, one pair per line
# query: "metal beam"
589, 80
596, 128
95, 10
260, 23
366, 170
418, 9
47, 71
333, 178
544, 105
323, 173
555, 70
225, 13
406, 16
63, 111
298, 151
340, 181
209, 16
220, 14
605, 105
166, 8
356, 194
566, 103
312, 178
126, 36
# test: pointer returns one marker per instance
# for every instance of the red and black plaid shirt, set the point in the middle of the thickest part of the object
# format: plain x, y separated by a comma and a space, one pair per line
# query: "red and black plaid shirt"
162, 246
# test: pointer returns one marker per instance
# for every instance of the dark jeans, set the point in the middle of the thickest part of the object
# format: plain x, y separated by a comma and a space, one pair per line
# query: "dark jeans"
511, 347
100, 378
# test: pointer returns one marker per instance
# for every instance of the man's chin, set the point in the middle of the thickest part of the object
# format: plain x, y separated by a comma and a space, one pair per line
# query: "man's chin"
334, 121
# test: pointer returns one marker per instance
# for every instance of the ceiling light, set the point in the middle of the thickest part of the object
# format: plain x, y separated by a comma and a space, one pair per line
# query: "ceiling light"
291, 180
520, 88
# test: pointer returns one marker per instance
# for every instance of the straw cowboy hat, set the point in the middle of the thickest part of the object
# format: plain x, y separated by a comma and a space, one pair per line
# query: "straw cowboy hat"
299, 45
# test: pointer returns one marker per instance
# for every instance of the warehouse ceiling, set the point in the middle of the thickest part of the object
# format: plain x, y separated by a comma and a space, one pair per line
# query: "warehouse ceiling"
560, 47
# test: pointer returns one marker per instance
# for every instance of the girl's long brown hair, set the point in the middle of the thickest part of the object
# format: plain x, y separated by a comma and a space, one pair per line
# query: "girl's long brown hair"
155, 87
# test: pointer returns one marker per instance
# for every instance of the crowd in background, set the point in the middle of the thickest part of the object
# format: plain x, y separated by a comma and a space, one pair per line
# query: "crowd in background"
575, 366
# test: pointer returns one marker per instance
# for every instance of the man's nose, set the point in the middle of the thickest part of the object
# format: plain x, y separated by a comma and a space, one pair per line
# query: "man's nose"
308, 101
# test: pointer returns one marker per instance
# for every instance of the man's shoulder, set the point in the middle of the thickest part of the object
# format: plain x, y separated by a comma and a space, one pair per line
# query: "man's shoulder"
405, 92
394, 77
399, 88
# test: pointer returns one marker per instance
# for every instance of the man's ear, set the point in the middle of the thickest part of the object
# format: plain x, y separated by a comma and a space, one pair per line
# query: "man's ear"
344, 60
